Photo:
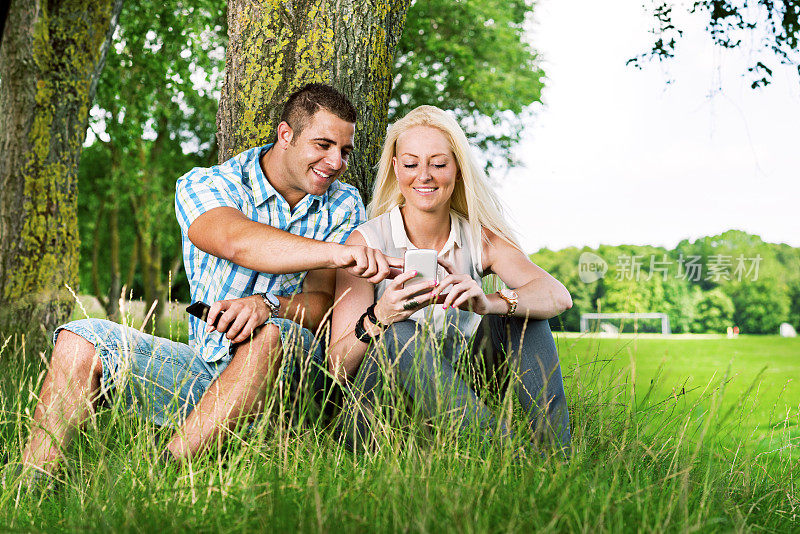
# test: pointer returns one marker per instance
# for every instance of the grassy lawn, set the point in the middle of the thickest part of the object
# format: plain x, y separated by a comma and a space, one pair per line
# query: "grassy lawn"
756, 376
707, 445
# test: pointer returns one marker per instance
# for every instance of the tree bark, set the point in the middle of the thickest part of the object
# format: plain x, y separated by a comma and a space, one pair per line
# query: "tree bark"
276, 47
52, 53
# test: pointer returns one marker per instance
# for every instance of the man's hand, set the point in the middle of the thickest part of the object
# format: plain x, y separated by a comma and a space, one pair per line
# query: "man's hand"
366, 262
238, 317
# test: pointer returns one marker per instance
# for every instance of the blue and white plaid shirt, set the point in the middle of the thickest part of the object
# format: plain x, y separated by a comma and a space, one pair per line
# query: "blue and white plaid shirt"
240, 183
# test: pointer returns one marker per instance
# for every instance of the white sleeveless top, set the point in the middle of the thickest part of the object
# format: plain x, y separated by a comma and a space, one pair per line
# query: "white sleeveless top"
387, 233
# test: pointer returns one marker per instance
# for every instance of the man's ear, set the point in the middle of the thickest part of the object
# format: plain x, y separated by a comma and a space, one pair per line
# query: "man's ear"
285, 134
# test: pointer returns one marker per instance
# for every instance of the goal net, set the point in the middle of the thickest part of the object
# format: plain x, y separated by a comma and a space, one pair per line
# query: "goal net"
624, 322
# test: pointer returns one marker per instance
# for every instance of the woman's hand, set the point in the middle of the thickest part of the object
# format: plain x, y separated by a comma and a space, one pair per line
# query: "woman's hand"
398, 303
465, 293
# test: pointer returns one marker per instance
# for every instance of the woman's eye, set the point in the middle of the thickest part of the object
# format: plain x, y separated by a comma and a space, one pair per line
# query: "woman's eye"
441, 166
410, 165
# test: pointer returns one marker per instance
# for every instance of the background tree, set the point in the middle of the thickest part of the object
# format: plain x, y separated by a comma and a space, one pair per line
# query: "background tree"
470, 57
50, 60
770, 29
154, 121
274, 48
715, 312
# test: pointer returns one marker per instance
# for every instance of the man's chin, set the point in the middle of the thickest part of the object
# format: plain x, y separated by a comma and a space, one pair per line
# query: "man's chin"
318, 187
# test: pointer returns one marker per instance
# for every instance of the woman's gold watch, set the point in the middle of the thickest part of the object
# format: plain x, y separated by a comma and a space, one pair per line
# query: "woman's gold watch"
511, 297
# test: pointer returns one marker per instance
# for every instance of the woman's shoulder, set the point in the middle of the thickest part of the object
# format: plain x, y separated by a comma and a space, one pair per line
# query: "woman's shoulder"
374, 230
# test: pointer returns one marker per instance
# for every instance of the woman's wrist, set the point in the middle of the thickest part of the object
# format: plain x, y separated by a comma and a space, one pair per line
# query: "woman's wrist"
380, 315
372, 329
497, 305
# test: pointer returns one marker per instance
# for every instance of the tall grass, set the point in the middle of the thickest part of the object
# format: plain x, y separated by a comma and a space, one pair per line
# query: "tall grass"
638, 463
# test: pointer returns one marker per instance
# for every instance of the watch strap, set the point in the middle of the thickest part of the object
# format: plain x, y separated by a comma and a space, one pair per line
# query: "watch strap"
273, 304
360, 331
511, 298
374, 318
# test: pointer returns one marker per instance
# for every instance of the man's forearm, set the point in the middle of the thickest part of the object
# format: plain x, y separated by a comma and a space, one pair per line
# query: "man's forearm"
266, 249
226, 233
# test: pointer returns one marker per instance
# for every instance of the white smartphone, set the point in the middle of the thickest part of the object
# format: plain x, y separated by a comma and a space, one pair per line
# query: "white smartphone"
424, 261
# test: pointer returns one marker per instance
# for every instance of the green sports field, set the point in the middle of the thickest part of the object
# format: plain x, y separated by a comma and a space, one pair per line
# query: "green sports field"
756, 377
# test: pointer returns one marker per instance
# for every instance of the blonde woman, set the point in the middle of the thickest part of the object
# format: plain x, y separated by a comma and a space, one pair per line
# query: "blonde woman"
430, 194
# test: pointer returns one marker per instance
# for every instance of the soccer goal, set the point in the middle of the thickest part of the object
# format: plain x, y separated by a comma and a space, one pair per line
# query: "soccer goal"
627, 318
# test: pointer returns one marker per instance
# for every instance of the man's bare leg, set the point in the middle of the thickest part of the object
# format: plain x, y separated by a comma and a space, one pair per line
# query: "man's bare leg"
68, 397
239, 391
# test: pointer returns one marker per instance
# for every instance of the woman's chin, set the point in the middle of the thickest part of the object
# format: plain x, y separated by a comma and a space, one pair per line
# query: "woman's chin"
427, 207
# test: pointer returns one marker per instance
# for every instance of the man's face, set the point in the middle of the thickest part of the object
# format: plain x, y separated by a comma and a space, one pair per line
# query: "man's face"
317, 156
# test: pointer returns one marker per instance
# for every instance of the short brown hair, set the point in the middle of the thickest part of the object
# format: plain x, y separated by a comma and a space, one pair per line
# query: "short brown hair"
306, 101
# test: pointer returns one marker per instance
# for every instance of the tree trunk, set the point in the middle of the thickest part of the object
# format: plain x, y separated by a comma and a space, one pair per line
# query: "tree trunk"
51, 56
275, 47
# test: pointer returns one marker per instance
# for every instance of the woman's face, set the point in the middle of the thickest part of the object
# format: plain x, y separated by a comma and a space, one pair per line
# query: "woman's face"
426, 168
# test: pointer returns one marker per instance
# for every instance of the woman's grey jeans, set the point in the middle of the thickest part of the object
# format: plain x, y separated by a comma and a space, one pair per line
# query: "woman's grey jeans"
436, 371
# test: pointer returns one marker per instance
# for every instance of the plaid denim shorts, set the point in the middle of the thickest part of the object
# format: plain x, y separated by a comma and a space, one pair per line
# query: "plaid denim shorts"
163, 379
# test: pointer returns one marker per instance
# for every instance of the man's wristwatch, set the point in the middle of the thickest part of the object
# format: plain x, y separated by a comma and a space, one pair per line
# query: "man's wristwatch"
511, 297
273, 304
360, 331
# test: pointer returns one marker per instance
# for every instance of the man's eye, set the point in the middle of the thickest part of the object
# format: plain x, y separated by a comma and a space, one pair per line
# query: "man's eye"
324, 146
345, 155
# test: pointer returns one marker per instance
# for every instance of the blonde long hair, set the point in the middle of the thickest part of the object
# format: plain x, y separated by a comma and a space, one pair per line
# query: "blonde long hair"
472, 196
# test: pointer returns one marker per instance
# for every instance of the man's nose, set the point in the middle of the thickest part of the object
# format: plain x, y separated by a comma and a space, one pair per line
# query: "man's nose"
334, 160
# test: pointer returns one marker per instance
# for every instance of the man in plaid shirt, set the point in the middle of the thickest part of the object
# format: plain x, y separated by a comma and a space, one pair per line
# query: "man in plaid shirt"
262, 236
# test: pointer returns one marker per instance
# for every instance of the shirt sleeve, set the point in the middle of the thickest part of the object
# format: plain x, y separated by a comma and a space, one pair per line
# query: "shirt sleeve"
201, 190
348, 215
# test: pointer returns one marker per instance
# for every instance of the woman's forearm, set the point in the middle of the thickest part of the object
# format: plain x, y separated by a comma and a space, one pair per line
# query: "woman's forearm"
541, 298
347, 352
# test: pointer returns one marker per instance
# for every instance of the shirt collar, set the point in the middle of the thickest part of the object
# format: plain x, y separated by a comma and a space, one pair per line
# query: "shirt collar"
400, 238
263, 189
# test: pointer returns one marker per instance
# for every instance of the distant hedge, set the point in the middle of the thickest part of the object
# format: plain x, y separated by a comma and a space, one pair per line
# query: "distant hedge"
704, 286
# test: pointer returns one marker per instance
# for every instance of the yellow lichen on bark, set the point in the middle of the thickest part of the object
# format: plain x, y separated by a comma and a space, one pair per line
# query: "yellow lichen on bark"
65, 47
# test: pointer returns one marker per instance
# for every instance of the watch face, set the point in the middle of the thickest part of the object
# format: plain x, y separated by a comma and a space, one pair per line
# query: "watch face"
509, 293
272, 299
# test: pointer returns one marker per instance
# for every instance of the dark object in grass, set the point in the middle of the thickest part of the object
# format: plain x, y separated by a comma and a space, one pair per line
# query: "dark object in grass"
200, 310
30, 480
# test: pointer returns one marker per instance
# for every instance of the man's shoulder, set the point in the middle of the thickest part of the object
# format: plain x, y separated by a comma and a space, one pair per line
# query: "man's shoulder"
344, 196
233, 168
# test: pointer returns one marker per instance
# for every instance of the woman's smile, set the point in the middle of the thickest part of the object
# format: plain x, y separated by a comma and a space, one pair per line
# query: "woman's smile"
425, 190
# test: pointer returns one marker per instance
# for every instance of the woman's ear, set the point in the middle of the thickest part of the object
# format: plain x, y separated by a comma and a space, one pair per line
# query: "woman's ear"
394, 164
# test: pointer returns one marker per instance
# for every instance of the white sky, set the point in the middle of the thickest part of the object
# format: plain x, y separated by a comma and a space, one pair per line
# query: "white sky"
617, 155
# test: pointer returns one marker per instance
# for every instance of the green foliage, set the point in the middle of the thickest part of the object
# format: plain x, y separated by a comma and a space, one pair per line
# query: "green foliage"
769, 30
154, 118
470, 57
741, 281
761, 306
794, 304
715, 312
